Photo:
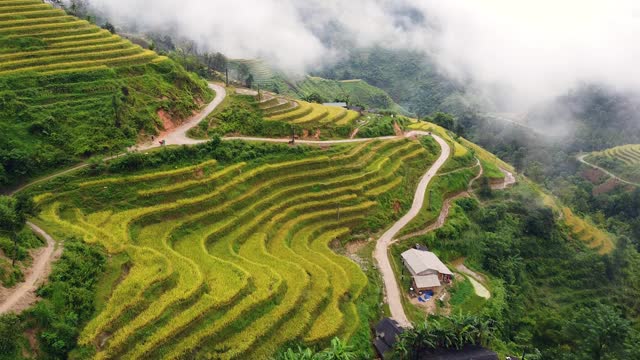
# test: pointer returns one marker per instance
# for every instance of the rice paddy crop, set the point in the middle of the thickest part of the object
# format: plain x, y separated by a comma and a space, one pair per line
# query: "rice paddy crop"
623, 161
304, 113
68, 41
241, 252
588, 233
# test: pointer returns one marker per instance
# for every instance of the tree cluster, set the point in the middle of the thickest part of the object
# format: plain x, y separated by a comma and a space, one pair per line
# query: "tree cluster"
339, 350
438, 332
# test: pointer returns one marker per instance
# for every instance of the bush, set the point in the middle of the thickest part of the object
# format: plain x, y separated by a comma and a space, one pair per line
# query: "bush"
9, 335
68, 297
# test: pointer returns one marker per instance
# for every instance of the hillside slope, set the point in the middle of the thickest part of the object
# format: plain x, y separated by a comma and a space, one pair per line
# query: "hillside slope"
410, 78
355, 91
622, 161
70, 89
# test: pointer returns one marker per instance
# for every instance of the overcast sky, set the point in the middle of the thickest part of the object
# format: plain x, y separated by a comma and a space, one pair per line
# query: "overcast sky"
534, 48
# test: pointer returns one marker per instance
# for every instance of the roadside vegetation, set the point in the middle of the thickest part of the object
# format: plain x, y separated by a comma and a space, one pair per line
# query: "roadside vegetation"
15, 239
66, 306
540, 274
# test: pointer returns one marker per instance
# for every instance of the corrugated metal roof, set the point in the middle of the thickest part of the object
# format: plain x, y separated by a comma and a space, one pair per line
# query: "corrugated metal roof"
426, 281
420, 261
336, 104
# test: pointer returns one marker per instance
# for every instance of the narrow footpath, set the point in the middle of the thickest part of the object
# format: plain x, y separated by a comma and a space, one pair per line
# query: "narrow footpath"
178, 136
381, 254
23, 295
582, 157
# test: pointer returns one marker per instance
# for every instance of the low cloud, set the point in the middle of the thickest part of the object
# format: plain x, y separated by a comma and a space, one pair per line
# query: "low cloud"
529, 50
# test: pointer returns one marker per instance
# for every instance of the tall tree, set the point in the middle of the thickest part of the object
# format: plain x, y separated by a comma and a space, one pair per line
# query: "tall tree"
13, 216
599, 332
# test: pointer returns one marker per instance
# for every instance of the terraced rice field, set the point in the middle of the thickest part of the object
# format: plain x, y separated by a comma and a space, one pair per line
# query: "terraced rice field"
232, 262
623, 161
587, 233
262, 73
307, 114
46, 40
628, 154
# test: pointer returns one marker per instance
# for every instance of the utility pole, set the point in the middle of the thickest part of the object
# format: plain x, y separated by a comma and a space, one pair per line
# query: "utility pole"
338, 212
259, 94
293, 135
226, 70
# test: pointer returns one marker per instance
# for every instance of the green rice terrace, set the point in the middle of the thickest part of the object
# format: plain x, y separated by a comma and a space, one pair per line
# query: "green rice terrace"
305, 114
622, 161
273, 115
355, 91
41, 38
71, 89
234, 260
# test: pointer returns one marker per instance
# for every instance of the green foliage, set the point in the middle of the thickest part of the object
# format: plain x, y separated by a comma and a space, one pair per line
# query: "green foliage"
410, 78
243, 116
14, 242
541, 276
314, 97
70, 90
437, 332
623, 161
9, 335
339, 350
68, 298
381, 126
270, 222
21, 43
447, 121
464, 298
353, 92
51, 120
599, 332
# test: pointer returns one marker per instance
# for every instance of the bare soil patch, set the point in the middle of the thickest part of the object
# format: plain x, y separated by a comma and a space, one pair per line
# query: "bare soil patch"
606, 187
594, 176
23, 295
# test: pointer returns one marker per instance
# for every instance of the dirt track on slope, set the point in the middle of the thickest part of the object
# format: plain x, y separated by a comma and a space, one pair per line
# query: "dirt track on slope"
446, 207
178, 135
582, 157
23, 295
475, 279
381, 254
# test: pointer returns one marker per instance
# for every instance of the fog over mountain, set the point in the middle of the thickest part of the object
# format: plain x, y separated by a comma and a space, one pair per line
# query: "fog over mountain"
526, 50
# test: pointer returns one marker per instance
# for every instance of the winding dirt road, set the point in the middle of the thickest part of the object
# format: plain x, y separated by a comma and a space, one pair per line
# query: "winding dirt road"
178, 136
24, 294
446, 206
509, 180
582, 157
381, 254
